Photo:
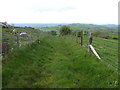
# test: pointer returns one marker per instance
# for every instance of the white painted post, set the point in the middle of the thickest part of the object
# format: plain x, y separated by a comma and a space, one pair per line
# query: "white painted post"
90, 47
95, 52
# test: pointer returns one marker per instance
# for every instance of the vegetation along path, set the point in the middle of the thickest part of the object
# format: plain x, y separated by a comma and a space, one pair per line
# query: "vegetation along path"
56, 62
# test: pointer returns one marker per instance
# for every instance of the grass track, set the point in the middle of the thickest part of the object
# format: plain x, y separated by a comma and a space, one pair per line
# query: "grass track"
58, 63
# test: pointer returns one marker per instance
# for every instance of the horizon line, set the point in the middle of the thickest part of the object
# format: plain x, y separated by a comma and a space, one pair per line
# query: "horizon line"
61, 23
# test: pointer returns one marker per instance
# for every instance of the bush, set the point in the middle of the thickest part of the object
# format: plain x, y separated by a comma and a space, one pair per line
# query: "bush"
53, 33
86, 32
65, 30
105, 37
96, 33
73, 33
115, 38
79, 33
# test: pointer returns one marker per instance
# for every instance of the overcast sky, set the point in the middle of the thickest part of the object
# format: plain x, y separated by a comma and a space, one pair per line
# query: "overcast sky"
59, 11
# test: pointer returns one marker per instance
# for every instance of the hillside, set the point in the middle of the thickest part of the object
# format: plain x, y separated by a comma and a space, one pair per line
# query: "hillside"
56, 62
89, 27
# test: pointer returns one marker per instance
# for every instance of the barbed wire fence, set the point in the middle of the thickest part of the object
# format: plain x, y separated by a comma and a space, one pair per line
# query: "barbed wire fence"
107, 49
12, 41
103, 46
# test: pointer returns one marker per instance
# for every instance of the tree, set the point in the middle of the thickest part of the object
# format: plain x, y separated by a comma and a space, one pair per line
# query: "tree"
65, 30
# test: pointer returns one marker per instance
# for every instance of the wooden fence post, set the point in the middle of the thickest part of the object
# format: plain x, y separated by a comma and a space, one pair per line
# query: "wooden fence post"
31, 37
77, 37
81, 36
17, 37
90, 41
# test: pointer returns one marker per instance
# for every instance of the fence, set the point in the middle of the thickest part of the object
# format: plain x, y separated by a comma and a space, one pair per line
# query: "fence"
12, 41
107, 50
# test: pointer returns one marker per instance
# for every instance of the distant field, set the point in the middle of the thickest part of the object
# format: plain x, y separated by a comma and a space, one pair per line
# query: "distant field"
108, 30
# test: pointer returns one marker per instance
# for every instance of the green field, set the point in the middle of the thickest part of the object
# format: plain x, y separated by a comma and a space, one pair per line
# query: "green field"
57, 62
60, 62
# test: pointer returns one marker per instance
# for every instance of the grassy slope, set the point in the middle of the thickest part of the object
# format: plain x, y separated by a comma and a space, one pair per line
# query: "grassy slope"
56, 62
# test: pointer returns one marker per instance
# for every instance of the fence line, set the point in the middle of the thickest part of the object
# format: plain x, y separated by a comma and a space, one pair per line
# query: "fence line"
108, 64
82, 42
14, 41
108, 60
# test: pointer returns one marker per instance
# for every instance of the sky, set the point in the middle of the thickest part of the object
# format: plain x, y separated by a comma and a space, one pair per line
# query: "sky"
59, 11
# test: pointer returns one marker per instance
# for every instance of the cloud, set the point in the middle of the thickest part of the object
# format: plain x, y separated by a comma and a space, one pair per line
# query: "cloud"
38, 11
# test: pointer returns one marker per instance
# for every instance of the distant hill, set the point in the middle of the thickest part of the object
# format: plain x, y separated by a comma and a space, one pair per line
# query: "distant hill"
38, 25
78, 26
73, 26
112, 26
93, 27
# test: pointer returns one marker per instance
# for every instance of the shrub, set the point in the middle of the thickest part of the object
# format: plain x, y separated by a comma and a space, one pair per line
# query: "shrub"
86, 32
96, 33
65, 30
78, 33
73, 33
105, 36
115, 38
53, 33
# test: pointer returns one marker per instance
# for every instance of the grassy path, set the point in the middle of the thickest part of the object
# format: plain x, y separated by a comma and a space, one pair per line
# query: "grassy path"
56, 63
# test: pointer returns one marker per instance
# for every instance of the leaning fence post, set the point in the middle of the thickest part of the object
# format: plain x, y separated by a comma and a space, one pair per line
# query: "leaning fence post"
90, 41
91, 48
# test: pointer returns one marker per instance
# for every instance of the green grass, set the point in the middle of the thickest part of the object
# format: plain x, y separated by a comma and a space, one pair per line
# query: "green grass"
56, 62
107, 49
